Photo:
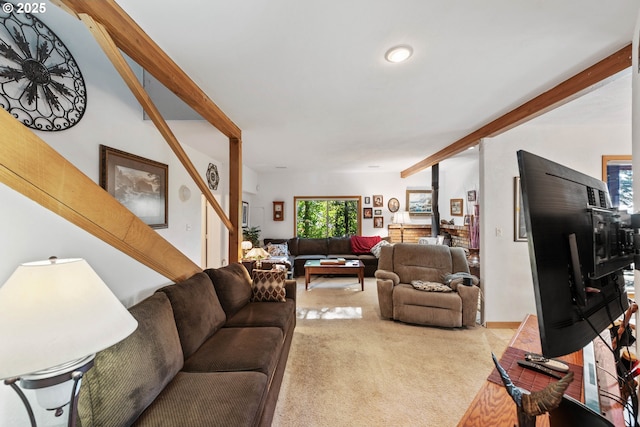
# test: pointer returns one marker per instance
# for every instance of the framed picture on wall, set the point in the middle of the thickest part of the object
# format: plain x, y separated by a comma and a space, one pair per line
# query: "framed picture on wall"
519, 228
139, 184
367, 212
378, 222
456, 207
377, 212
419, 202
367, 200
377, 201
245, 214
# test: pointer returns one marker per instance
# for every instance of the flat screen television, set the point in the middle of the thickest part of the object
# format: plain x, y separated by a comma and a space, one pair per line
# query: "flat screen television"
578, 248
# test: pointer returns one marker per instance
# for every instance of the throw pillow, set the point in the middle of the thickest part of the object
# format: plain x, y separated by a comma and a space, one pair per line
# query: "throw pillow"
268, 286
280, 249
377, 248
430, 286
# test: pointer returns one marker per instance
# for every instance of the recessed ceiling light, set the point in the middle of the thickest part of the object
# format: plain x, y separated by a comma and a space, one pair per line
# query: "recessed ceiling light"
399, 53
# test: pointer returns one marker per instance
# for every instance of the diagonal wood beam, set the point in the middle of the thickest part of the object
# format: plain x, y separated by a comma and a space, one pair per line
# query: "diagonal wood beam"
583, 82
111, 50
133, 41
31, 167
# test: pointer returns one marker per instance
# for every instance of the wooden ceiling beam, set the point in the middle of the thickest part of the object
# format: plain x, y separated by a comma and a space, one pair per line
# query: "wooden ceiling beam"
133, 41
583, 82
106, 43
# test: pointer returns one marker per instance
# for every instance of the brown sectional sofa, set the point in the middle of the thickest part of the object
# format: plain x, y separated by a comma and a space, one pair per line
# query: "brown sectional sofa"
303, 249
203, 355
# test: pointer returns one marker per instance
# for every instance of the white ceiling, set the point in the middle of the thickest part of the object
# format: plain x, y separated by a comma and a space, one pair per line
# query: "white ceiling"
309, 87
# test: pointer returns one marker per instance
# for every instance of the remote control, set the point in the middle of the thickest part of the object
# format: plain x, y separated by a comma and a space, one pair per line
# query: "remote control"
554, 364
539, 368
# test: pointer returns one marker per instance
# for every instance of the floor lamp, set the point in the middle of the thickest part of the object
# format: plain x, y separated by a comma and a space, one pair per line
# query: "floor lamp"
54, 316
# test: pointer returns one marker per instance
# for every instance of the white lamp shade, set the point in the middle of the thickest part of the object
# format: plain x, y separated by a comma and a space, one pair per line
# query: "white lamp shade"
246, 245
257, 253
55, 312
402, 218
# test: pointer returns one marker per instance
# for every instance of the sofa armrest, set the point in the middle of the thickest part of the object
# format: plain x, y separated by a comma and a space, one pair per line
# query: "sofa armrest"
387, 275
469, 296
291, 288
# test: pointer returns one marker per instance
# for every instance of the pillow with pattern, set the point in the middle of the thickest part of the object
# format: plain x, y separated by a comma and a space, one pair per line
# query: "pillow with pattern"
280, 249
377, 248
268, 286
430, 286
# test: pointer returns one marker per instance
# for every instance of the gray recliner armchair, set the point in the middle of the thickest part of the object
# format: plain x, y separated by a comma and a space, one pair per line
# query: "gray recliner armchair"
401, 264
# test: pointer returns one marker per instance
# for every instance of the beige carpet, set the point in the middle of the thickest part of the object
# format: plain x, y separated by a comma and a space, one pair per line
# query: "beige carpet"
347, 367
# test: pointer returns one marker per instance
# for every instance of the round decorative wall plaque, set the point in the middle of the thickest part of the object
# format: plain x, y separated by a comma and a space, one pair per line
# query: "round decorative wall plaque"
393, 205
40, 82
213, 177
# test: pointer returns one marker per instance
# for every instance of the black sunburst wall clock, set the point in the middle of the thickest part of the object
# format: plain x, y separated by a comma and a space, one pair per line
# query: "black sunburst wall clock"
40, 82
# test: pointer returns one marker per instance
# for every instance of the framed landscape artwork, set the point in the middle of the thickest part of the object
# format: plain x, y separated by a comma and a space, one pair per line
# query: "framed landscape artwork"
456, 207
419, 202
139, 184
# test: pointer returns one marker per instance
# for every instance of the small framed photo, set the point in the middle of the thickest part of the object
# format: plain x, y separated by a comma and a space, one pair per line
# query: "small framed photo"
367, 212
139, 184
468, 219
367, 200
377, 212
378, 222
245, 214
456, 207
377, 201
471, 196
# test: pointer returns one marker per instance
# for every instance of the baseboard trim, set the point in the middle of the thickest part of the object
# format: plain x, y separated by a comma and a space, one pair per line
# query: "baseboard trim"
502, 325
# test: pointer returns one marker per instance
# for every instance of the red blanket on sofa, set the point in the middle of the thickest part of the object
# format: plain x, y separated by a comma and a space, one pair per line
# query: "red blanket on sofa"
363, 244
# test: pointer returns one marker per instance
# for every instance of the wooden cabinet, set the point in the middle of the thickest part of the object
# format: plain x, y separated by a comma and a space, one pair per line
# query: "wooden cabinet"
408, 233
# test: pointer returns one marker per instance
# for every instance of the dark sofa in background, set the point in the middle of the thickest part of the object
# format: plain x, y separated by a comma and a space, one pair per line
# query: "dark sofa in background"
204, 354
302, 249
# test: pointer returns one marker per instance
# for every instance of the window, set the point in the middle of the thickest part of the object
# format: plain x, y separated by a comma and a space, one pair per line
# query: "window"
318, 217
618, 174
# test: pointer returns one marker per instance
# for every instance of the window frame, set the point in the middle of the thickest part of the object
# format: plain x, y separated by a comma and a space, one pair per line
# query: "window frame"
358, 200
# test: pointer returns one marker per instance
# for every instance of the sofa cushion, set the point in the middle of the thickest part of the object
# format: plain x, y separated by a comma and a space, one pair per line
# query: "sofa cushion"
207, 399
238, 349
363, 244
377, 248
281, 315
421, 262
268, 285
128, 376
339, 245
313, 247
233, 286
195, 326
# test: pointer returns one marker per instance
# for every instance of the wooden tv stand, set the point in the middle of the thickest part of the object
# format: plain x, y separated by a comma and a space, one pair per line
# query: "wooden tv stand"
493, 406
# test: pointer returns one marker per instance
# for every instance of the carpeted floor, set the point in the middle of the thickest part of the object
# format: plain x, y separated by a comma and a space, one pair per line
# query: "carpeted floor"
347, 367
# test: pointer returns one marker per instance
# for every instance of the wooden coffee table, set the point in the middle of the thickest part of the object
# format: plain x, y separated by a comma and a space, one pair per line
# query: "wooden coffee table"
350, 267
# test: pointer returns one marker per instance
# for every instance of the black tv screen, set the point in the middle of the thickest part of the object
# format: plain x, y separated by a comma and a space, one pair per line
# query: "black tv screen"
578, 248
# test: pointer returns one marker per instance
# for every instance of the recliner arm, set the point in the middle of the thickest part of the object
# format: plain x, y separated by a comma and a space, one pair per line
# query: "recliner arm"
388, 275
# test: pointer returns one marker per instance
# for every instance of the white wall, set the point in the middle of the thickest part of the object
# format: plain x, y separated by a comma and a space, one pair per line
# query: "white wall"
30, 232
457, 176
505, 268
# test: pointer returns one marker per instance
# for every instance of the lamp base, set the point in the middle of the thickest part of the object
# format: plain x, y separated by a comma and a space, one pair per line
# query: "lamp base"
55, 387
